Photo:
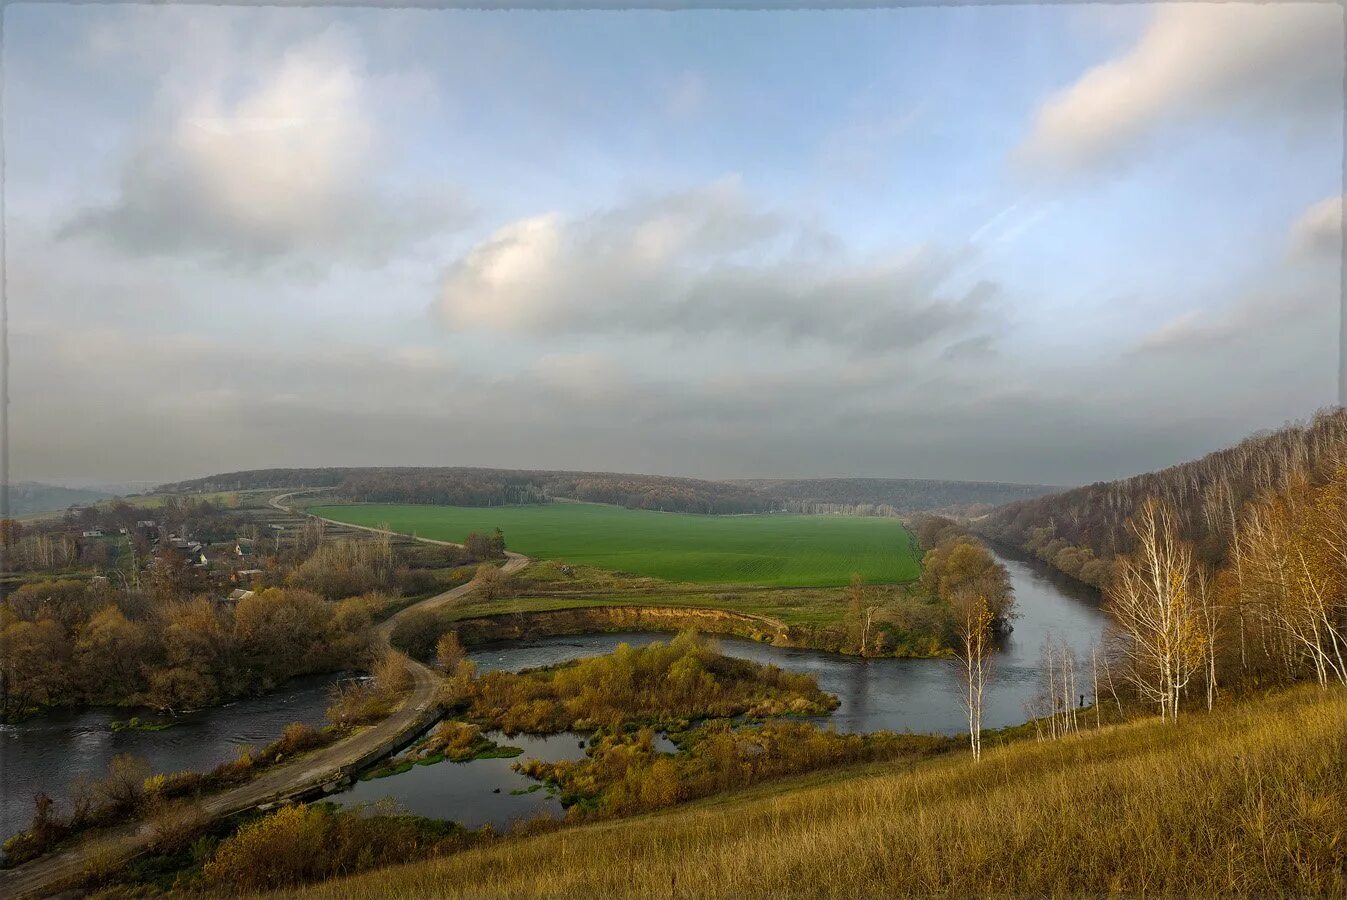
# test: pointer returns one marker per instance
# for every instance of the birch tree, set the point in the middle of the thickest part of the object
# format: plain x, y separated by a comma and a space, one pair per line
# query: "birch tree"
973, 628
1154, 609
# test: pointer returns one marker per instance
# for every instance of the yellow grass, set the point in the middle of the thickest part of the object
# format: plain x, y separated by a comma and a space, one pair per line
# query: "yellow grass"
1251, 800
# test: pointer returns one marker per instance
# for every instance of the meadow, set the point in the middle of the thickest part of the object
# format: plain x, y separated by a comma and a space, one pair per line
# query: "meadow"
776, 550
1246, 801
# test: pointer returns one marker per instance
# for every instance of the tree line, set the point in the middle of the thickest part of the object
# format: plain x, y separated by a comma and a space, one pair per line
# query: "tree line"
1084, 530
464, 486
889, 496
67, 642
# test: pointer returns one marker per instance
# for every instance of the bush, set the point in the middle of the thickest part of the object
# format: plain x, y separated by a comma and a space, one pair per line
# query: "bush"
174, 825
300, 844
357, 703
416, 633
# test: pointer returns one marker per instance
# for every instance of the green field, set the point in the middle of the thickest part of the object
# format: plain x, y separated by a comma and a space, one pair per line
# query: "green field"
771, 550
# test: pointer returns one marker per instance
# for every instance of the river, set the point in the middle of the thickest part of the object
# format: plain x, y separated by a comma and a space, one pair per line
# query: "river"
917, 695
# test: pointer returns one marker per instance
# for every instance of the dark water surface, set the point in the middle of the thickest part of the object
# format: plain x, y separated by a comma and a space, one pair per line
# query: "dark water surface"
50, 752
894, 694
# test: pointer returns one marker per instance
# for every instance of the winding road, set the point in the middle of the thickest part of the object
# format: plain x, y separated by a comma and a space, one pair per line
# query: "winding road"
48, 874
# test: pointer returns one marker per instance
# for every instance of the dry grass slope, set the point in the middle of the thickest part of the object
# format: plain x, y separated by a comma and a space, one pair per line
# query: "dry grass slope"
1251, 800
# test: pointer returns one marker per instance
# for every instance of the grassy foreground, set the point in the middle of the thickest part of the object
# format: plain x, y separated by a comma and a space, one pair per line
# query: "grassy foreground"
1251, 800
775, 550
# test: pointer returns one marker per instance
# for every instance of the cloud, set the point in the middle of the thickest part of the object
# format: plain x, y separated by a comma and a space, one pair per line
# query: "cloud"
1318, 232
1254, 318
702, 262
1194, 59
266, 163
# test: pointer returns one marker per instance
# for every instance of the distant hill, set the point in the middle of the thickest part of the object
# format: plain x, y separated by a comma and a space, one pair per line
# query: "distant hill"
891, 496
464, 486
26, 497
1080, 531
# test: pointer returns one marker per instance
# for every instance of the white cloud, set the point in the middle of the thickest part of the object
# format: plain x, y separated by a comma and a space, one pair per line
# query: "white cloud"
1194, 59
263, 162
701, 262
1318, 232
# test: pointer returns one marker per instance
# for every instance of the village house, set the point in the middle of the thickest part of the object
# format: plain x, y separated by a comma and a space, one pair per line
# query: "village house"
236, 595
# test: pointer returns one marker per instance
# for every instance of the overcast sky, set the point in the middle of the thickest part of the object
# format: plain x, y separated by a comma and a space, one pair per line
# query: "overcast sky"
1045, 243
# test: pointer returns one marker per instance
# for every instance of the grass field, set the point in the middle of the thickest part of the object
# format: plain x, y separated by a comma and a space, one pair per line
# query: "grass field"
1247, 801
772, 550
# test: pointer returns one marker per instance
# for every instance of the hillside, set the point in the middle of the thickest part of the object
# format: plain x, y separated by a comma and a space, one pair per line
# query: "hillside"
465, 486
27, 497
1080, 531
1244, 801
890, 496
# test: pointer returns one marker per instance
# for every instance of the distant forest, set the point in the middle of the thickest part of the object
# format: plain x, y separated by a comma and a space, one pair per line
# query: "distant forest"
499, 487
1081, 531
33, 497
891, 496
460, 486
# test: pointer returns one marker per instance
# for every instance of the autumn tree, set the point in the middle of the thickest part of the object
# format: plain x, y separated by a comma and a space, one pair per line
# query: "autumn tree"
109, 653
34, 664
491, 582
449, 651
1154, 606
1292, 550
959, 565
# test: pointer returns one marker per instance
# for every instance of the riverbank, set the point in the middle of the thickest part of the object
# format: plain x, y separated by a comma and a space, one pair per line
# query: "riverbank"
1144, 807
564, 620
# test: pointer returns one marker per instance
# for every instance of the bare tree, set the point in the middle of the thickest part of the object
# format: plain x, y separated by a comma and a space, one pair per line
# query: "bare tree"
865, 632
1152, 603
973, 649
1209, 613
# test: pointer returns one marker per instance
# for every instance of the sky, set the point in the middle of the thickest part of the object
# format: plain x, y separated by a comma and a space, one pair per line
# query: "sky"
1052, 244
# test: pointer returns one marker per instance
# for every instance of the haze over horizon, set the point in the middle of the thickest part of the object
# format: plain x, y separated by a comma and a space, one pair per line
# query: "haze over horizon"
1052, 244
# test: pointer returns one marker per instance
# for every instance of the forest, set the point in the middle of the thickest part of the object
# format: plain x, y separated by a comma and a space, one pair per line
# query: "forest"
1082, 531
1223, 574
463, 486
66, 644
890, 496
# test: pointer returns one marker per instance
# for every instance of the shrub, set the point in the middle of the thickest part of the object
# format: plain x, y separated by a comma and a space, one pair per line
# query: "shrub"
357, 703
300, 844
416, 633
174, 825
